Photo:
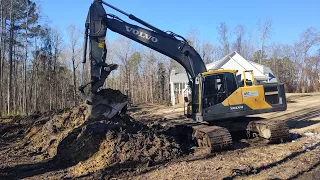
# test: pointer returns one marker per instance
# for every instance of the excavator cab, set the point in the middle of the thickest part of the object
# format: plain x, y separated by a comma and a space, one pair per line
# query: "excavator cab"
213, 88
219, 95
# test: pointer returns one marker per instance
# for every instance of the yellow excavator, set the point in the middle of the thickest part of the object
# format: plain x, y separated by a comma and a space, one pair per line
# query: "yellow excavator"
221, 95
216, 95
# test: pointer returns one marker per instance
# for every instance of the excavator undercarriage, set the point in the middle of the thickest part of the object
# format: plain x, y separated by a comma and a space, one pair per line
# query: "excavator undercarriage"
213, 138
219, 135
275, 132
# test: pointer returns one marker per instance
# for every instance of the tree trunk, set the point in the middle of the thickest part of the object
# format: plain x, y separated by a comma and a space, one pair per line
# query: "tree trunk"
14, 78
25, 68
1, 56
10, 60
74, 80
50, 88
31, 86
151, 86
146, 93
55, 80
36, 87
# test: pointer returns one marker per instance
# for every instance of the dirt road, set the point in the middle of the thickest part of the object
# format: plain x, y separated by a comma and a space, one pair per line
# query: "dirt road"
62, 145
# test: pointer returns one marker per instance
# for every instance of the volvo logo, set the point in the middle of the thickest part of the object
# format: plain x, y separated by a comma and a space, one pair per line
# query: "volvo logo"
236, 107
141, 34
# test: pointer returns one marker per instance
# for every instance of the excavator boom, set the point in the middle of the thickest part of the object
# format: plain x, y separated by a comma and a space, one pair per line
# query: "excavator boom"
169, 44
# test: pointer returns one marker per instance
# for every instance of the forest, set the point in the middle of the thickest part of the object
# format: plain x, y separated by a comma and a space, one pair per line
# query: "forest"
40, 70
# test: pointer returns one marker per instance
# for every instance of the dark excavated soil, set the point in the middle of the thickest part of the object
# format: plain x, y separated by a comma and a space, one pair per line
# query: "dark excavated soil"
70, 140
112, 96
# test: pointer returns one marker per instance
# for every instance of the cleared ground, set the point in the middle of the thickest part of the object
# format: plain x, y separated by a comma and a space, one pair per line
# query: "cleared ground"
59, 145
297, 159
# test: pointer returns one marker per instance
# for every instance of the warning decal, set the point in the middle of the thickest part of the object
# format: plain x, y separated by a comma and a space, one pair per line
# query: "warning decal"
250, 94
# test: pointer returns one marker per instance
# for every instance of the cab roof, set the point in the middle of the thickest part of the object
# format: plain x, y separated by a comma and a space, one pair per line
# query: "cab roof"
219, 71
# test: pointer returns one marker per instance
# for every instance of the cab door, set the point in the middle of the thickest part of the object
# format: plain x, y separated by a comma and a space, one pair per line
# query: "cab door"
234, 93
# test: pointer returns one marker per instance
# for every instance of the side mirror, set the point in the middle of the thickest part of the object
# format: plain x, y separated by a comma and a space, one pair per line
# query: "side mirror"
186, 99
197, 80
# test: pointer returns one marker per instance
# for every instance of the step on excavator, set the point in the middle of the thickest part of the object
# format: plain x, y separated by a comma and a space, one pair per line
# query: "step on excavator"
215, 97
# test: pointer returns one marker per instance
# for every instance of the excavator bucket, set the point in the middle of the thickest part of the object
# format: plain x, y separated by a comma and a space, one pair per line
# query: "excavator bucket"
107, 103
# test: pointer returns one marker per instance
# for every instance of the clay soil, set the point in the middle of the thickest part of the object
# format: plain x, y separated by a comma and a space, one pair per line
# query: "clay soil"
66, 144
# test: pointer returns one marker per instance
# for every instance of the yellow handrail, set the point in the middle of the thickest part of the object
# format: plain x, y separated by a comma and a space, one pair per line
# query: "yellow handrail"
245, 79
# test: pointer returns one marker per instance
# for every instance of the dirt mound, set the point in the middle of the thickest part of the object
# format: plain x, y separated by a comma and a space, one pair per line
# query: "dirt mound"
43, 138
15, 128
83, 145
121, 142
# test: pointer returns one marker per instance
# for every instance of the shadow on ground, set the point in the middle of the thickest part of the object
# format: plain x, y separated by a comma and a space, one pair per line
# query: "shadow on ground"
28, 170
251, 171
301, 119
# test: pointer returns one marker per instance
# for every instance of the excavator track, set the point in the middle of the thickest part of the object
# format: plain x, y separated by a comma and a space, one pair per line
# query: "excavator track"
274, 131
212, 138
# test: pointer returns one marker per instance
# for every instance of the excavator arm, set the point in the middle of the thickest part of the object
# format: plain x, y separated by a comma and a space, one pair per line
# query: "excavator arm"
165, 44
169, 44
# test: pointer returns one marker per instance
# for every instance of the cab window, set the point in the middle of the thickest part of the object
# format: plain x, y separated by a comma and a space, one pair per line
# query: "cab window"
231, 83
214, 90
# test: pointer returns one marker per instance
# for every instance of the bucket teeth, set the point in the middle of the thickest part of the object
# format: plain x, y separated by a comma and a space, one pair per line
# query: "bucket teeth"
107, 110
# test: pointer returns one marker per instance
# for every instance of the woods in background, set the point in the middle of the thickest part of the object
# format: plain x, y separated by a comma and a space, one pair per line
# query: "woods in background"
41, 70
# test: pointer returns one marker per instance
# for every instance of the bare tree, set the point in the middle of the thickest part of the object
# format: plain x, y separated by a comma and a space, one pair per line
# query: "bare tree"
264, 29
224, 36
150, 61
74, 35
240, 33
25, 63
57, 48
9, 100
192, 38
2, 52
247, 47
207, 51
123, 49
308, 39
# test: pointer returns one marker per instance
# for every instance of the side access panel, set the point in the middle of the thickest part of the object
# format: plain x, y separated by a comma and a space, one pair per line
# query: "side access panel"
275, 95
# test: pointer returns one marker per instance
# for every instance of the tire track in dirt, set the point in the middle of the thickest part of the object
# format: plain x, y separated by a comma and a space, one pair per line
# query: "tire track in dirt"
312, 173
313, 170
250, 162
279, 169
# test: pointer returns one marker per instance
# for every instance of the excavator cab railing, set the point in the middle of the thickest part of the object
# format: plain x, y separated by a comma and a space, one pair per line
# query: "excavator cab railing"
247, 82
187, 104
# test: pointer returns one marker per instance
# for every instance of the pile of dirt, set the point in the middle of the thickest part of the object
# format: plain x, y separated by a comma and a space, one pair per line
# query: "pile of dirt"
15, 128
119, 143
85, 145
43, 138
